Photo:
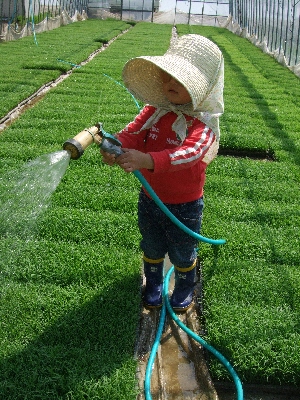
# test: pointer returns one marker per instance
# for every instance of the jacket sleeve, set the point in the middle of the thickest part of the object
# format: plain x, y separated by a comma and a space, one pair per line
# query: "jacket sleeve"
132, 137
200, 145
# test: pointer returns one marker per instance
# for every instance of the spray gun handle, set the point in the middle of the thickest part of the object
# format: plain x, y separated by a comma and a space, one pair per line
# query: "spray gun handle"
109, 143
111, 148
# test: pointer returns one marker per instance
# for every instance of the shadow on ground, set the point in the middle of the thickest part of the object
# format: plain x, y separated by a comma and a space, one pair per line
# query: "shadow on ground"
81, 354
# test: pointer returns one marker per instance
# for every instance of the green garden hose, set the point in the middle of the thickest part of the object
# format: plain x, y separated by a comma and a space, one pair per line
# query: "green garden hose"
166, 303
167, 306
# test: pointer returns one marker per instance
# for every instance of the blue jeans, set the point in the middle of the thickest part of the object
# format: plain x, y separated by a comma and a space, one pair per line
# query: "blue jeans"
161, 236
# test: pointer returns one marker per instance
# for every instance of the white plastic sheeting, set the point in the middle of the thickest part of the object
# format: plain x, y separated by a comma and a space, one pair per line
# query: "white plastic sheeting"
46, 25
180, 17
277, 54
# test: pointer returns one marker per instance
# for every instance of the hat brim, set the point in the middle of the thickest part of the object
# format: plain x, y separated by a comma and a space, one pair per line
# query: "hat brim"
142, 77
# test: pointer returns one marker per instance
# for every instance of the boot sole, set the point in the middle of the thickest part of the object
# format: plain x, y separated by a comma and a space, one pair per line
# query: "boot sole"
151, 307
179, 309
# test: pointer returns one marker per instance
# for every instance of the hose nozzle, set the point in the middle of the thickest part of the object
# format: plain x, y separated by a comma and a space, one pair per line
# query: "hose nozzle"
80, 142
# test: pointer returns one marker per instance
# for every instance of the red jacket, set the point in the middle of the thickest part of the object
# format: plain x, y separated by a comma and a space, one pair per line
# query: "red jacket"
179, 169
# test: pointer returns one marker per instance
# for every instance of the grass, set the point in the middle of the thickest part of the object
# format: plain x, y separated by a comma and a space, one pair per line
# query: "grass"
70, 297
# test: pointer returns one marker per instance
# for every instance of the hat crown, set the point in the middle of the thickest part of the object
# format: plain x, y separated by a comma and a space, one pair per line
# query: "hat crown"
200, 52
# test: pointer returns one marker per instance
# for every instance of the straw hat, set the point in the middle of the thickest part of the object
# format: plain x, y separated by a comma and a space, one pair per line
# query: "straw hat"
197, 63
193, 60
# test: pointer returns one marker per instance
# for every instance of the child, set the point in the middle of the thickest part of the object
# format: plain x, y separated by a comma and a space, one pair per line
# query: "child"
171, 142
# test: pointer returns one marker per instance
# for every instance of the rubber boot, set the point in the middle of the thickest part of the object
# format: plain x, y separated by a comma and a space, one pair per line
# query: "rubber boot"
182, 296
153, 270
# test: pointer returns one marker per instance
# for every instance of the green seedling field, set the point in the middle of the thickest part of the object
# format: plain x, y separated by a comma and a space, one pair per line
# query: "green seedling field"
70, 296
26, 66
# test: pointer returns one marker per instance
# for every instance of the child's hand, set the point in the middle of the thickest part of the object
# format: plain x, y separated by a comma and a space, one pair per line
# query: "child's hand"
108, 158
132, 160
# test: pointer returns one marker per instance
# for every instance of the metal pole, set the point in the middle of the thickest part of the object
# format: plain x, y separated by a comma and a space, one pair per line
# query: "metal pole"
231, 7
245, 16
189, 12
277, 20
266, 25
174, 22
292, 26
298, 42
239, 17
273, 25
39, 12
287, 27
1, 14
255, 19
259, 21
241, 13
234, 9
249, 17
281, 28
152, 11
